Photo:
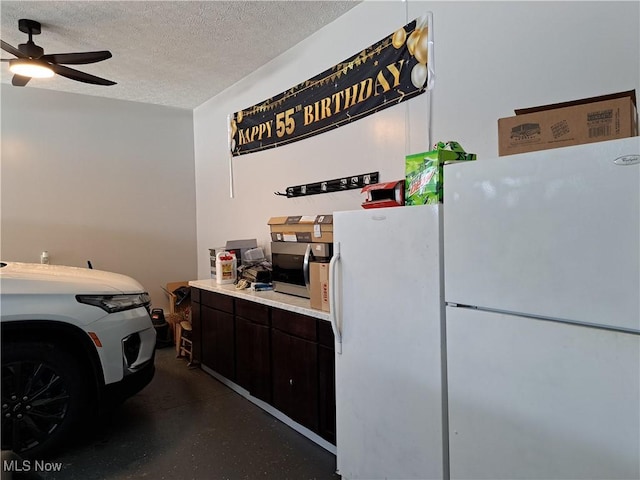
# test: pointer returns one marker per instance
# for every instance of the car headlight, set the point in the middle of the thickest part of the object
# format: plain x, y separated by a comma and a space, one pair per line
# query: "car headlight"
116, 303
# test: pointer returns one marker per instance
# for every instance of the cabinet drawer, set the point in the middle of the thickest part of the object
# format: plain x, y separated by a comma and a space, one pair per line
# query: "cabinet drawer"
252, 311
325, 334
217, 301
195, 294
295, 324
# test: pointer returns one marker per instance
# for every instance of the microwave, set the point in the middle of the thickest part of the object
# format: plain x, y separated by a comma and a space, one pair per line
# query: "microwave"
290, 261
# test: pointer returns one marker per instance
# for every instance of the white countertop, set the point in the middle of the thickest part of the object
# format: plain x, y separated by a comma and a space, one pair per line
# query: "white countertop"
268, 297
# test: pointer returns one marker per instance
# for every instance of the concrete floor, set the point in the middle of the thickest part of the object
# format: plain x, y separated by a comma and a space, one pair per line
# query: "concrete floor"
187, 425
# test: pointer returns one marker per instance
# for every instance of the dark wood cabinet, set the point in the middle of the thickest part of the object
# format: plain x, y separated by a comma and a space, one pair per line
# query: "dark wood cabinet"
295, 381
244, 352
253, 349
217, 327
326, 382
295, 366
281, 357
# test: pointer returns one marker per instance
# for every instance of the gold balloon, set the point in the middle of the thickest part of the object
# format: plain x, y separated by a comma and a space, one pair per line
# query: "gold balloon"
234, 128
422, 47
239, 116
412, 40
419, 75
398, 38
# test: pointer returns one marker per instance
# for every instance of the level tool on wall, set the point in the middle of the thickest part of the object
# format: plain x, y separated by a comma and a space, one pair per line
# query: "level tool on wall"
329, 186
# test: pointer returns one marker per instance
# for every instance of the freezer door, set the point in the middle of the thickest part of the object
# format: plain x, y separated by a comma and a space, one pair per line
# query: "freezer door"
538, 399
388, 376
553, 234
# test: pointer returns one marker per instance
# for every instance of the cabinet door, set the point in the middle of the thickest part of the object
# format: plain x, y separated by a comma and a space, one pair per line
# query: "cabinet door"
244, 352
253, 358
295, 378
208, 328
225, 346
327, 393
253, 349
326, 382
260, 386
218, 341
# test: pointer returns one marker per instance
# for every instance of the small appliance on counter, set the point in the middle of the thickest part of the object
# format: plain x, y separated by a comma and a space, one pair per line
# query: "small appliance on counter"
291, 264
297, 242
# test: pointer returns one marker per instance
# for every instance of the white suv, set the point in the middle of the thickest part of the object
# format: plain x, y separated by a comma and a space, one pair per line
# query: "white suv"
75, 341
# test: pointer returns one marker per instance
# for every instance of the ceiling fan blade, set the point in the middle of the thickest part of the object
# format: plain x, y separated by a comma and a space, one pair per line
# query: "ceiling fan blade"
19, 80
77, 58
11, 49
79, 76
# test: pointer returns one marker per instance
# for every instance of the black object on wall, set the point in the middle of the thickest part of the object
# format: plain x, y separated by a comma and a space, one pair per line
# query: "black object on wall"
330, 186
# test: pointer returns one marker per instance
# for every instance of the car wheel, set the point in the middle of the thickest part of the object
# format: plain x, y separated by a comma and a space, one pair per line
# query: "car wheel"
43, 397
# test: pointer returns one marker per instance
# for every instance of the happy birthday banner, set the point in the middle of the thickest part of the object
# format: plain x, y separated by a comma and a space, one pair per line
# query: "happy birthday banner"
393, 70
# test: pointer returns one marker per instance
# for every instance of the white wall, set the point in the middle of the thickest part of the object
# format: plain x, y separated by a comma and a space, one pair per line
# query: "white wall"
490, 58
110, 181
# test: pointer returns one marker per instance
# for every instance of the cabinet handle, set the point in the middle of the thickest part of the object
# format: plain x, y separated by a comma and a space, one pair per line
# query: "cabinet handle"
305, 266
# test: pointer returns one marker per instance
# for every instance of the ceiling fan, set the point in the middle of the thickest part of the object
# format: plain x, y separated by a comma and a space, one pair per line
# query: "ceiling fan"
32, 63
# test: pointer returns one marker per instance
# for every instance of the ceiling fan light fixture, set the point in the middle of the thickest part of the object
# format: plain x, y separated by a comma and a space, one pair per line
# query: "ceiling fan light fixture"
30, 68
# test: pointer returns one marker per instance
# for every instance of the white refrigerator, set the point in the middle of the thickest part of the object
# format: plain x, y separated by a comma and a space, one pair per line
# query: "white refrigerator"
387, 306
542, 284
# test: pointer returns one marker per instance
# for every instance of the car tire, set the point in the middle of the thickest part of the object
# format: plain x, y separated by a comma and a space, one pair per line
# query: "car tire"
43, 397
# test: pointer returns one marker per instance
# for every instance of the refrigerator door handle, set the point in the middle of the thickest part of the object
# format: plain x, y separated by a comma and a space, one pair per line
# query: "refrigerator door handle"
333, 310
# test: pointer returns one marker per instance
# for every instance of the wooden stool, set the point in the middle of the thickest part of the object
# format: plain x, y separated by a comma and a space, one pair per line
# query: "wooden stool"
185, 342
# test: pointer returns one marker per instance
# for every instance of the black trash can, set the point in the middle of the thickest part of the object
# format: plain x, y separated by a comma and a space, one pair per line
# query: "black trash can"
163, 331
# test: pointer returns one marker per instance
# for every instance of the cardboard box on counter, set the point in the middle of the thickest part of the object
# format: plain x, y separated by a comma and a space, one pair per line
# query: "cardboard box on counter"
588, 120
319, 281
318, 228
424, 173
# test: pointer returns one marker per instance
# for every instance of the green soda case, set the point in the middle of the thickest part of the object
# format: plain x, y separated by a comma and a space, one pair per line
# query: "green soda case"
424, 172
423, 181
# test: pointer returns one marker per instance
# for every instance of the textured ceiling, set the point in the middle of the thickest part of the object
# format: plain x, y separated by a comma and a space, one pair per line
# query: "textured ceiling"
178, 53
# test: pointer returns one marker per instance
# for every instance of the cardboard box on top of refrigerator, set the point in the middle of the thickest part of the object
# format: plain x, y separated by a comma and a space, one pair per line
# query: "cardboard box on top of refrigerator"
319, 283
424, 172
302, 228
588, 120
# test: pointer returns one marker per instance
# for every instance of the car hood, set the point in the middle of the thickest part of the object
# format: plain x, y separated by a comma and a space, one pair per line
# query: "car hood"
25, 278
